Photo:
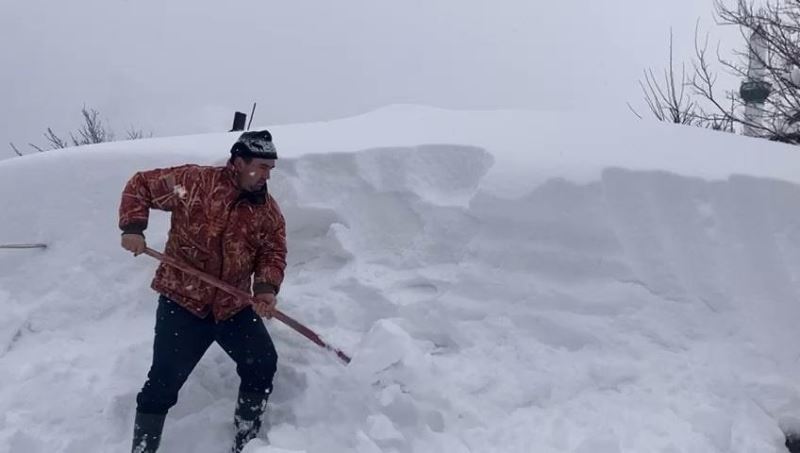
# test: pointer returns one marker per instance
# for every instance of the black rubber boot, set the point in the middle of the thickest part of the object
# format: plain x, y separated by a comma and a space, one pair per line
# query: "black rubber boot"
147, 432
793, 442
247, 419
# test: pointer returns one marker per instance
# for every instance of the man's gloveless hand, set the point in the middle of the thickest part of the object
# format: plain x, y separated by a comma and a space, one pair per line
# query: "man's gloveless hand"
265, 305
134, 243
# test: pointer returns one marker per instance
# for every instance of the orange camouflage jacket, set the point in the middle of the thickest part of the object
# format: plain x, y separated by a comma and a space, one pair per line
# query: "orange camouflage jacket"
239, 237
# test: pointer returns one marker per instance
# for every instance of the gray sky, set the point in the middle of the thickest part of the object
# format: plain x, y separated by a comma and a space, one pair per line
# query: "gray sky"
183, 66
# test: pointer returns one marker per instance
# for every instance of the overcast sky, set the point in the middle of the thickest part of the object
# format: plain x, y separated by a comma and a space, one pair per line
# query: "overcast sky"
183, 66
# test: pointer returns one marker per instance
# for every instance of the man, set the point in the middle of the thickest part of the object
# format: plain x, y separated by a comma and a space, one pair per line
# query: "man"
225, 224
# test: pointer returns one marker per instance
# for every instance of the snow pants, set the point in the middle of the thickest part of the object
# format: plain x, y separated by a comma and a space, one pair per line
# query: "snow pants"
181, 339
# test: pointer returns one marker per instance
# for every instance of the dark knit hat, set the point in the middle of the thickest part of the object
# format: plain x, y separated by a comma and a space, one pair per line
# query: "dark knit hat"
256, 144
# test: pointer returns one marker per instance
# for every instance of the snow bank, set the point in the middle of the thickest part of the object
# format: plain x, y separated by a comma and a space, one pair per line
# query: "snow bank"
505, 281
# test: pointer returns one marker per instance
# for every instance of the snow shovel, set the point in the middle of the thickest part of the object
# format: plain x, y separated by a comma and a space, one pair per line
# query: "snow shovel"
233, 291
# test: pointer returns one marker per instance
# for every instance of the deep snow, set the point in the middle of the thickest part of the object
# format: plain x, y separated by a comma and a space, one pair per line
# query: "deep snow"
505, 281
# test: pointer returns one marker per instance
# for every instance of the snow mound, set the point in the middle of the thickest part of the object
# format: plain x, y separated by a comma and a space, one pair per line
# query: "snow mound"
502, 281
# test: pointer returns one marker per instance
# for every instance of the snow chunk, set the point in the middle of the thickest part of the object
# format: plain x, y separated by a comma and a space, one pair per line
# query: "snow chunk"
382, 429
386, 345
259, 446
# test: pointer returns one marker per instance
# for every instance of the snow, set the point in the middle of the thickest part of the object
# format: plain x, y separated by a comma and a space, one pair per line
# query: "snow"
504, 281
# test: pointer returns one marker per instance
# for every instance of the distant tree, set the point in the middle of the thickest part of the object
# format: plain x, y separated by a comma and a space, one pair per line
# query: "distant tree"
666, 97
777, 23
55, 141
93, 130
136, 134
673, 97
721, 112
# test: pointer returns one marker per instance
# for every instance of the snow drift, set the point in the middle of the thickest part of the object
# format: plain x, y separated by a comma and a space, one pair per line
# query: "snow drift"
505, 281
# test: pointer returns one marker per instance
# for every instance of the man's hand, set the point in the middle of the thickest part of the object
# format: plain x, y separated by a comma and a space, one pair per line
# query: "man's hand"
265, 304
134, 243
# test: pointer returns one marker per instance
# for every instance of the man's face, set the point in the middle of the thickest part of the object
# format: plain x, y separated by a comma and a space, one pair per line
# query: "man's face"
253, 175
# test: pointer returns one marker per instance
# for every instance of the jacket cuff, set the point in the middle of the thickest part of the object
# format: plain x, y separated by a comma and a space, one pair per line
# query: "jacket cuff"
260, 288
134, 228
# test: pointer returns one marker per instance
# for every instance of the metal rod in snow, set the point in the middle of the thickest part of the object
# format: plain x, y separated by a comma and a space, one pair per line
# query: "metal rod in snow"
252, 112
23, 246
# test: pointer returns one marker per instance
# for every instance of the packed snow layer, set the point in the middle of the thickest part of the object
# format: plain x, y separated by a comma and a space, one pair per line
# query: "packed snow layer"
505, 281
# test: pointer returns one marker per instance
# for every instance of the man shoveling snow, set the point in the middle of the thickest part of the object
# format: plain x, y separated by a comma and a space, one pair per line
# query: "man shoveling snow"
225, 224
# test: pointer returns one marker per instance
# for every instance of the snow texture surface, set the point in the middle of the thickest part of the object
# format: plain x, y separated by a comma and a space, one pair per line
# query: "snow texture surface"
505, 282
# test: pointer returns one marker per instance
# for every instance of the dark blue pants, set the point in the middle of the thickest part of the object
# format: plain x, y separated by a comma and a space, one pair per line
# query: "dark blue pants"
182, 338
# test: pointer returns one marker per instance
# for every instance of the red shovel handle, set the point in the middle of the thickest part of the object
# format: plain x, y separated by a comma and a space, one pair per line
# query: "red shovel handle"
239, 294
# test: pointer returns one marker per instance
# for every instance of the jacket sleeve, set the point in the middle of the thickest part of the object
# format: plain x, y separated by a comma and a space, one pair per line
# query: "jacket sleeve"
271, 255
162, 188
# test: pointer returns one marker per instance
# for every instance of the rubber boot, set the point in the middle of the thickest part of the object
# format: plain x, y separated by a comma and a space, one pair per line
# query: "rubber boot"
793, 442
147, 432
247, 418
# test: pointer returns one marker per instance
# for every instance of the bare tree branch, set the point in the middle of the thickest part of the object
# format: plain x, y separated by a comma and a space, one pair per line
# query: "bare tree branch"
630, 107
777, 24
666, 97
55, 141
136, 134
93, 130
15, 149
768, 63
